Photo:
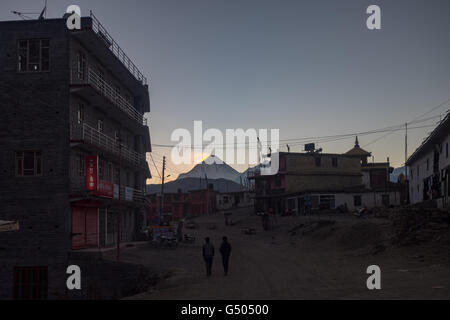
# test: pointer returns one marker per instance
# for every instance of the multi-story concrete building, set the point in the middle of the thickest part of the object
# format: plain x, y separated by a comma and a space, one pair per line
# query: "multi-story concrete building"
325, 181
429, 167
73, 157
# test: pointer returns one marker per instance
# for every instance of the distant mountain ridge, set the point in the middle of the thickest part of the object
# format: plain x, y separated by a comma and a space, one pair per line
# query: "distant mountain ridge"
191, 184
222, 176
212, 168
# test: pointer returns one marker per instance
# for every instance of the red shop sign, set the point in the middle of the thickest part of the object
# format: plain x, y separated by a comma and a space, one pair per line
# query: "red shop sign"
91, 173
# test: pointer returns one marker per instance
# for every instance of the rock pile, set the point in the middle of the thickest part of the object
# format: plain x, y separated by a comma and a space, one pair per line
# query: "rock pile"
414, 226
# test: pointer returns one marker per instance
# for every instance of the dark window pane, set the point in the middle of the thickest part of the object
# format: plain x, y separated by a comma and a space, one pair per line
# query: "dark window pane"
45, 58
38, 165
34, 55
318, 162
45, 43
19, 166
29, 160
23, 60
23, 44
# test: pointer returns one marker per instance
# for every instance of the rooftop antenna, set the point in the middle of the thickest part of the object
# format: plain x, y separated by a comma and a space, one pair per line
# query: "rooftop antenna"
42, 16
25, 15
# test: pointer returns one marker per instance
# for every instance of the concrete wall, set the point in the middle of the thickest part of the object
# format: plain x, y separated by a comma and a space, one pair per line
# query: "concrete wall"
304, 175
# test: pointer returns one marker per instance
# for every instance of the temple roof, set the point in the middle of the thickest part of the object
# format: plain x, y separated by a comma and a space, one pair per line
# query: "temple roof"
357, 150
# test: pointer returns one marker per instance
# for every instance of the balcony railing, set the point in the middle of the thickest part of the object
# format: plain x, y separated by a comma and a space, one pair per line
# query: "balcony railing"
110, 93
78, 185
94, 137
115, 49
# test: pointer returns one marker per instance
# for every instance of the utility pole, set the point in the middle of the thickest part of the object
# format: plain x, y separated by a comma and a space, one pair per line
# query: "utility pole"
406, 167
120, 200
162, 191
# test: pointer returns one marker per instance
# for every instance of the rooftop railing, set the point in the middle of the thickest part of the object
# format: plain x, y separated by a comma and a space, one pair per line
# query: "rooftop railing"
116, 50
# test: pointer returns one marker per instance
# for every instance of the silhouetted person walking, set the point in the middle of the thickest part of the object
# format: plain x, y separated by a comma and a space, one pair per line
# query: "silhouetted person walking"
225, 251
208, 255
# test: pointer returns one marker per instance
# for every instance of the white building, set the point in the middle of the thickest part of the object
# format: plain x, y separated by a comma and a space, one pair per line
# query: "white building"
229, 200
429, 167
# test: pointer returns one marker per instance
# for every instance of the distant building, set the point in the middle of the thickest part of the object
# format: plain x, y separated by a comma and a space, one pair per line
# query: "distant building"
180, 205
325, 181
230, 200
73, 140
429, 166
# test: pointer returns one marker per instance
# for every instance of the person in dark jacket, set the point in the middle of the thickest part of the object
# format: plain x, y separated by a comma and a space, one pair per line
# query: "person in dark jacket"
225, 251
208, 255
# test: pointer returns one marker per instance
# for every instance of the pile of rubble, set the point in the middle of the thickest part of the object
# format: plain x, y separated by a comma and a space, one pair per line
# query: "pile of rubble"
413, 226
311, 226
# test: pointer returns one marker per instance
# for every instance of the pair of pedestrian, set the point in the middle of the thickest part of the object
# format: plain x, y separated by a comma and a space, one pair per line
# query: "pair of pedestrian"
208, 255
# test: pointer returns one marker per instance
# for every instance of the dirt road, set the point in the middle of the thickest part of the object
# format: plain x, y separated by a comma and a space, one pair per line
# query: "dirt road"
328, 263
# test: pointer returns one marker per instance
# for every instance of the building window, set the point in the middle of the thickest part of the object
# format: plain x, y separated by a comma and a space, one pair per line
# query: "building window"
100, 125
80, 113
81, 169
116, 175
34, 55
327, 202
30, 283
101, 170
278, 182
101, 79
357, 201
318, 161
28, 163
128, 177
110, 172
334, 162
385, 200
81, 65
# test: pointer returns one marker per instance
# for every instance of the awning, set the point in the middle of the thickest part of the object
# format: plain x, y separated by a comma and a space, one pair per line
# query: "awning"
9, 226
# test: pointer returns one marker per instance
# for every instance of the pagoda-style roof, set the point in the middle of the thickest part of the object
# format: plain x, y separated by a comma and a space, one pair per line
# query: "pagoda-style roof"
358, 151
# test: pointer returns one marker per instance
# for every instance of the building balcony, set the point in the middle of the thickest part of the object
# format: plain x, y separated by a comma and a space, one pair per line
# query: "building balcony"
105, 90
106, 191
94, 139
100, 44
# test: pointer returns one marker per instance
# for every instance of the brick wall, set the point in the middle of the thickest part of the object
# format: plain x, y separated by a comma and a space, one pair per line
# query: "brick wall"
34, 116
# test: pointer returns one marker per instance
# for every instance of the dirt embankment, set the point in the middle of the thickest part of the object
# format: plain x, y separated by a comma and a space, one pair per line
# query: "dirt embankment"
374, 234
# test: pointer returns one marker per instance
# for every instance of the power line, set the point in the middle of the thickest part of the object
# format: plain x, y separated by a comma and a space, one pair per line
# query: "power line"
320, 139
155, 166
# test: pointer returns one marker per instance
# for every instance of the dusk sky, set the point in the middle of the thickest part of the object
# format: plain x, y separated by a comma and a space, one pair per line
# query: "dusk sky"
308, 68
